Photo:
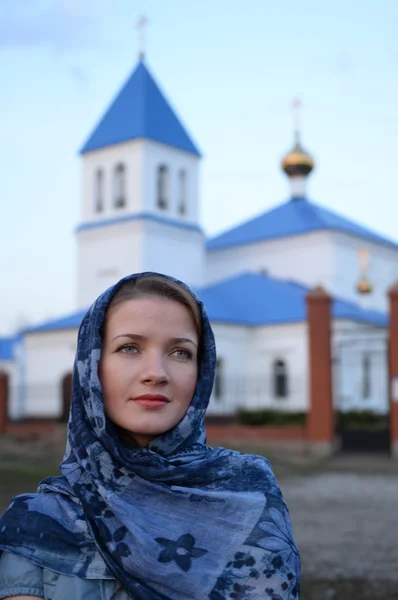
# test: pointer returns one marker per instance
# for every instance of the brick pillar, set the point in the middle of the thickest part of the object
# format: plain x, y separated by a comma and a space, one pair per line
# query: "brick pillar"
393, 368
320, 419
3, 402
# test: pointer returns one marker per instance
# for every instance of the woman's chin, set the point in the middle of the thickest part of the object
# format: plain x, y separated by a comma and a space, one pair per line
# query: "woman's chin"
149, 431
153, 425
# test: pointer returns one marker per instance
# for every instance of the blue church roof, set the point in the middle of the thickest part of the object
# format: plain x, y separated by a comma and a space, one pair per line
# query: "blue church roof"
256, 299
7, 345
140, 110
71, 321
251, 299
294, 217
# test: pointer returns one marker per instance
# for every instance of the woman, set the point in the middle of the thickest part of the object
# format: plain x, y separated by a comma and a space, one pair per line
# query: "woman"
145, 509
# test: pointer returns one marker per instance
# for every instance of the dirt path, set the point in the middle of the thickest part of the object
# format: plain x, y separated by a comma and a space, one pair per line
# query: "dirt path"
346, 526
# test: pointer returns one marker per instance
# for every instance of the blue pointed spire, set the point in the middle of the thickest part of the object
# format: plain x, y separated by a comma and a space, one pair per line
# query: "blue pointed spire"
140, 111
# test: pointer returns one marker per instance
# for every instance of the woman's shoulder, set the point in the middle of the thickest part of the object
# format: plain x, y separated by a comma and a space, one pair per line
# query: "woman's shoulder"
19, 578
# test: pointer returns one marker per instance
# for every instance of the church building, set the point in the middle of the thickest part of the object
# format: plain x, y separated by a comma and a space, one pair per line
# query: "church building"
139, 212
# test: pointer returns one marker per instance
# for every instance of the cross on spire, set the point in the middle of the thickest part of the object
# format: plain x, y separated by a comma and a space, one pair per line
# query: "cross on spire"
296, 105
141, 27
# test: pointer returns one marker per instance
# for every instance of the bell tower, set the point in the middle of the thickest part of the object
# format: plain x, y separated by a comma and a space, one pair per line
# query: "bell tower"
140, 192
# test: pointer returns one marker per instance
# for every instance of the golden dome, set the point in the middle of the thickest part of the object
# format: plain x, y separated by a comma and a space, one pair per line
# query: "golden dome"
364, 287
298, 161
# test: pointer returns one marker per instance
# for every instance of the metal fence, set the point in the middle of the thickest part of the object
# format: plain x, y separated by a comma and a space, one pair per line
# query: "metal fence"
230, 393
360, 375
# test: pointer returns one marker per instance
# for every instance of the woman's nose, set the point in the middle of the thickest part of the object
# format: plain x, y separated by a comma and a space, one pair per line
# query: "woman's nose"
154, 369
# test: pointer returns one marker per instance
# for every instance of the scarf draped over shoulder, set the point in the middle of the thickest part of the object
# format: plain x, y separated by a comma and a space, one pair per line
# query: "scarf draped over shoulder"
177, 520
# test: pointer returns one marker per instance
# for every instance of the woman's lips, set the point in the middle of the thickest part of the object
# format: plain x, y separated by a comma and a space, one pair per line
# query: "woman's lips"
151, 400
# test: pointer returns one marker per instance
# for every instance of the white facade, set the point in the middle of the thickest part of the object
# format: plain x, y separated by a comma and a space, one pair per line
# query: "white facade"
141, 159
248, 368
141, 214
108, 253
360, 376
382, 270
324, 258
49, 357
304, 258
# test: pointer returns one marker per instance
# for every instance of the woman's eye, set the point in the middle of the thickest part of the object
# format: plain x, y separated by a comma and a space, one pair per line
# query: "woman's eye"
183, 353
129, 349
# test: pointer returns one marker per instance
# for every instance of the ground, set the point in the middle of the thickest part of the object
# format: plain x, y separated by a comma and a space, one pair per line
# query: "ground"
344, 513
346, 524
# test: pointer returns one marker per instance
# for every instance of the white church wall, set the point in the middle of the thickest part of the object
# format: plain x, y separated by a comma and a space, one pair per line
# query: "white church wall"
246, 376
382, 270
105, 255
287, 343
129, 154
305, 258
141, 159
174, 251
360, 373
108, 252
232, 343
155, 155
49, 357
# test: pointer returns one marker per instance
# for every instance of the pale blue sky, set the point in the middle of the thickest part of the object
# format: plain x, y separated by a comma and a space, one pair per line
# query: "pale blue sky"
230, 69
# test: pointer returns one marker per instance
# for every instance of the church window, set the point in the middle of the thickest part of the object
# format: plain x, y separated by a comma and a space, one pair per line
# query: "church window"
182, 192
280, 379
219, 379
120, 200
366, 377
99, 191
163, 187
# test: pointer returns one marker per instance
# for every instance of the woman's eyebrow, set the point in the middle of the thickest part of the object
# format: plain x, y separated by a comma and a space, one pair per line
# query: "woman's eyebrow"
182, 340
131, 336
142, 338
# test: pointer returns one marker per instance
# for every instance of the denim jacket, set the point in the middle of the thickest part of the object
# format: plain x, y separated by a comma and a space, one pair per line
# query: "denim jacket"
18, 577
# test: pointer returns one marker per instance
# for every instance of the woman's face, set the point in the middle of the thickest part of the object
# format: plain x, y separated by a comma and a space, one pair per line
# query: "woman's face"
149, 366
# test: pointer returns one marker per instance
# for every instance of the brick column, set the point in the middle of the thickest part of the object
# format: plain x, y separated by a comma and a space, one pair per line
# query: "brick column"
320, 418
393, 368
3, 402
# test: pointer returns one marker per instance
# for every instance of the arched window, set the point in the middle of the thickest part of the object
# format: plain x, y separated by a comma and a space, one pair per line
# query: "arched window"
366, 377
119, 189
99, 191
163, 187
280, 379
219, 379
182, 192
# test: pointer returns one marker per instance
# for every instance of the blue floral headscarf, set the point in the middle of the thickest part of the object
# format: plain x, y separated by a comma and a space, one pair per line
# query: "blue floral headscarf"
175, 520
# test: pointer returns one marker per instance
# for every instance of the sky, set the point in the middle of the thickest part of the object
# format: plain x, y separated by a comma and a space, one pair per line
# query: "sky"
230, 70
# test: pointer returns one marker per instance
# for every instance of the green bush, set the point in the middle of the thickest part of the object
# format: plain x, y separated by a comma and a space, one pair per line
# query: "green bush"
268, 416
366, 419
